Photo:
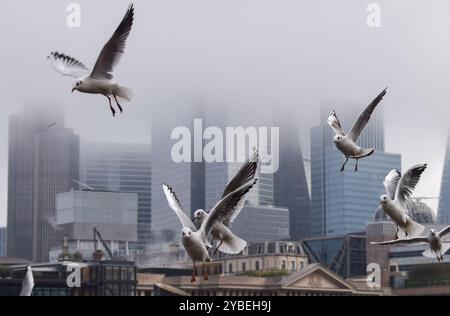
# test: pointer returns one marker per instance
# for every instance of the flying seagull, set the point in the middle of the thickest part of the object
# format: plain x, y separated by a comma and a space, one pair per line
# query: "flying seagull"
346, 143
52, 125
399, 189
99, 80
434, 240
28, 283
228, 242
196, 241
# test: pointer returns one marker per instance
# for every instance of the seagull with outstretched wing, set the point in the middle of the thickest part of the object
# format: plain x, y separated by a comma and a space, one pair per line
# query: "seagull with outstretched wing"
225, 211
99, 80
434, 240
346, 143
227, 241
398, 190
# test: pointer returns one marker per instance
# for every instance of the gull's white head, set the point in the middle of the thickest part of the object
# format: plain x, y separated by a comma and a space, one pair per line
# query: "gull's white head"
187, 233
432, 231
338, 139
77, 85
384, 199
199, 215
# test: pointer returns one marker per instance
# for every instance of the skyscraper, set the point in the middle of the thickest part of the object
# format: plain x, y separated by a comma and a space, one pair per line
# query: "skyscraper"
43, 161
2, 241
123, 168
186, 178
343, 203
444, 196
262, 223
290, 182
240, 134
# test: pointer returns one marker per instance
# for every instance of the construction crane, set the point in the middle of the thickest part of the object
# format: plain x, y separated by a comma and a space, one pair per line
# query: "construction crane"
99, 236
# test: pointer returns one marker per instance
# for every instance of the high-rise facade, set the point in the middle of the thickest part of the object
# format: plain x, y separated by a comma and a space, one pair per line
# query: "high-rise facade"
2, 241
259, 223
444, 196
122, 168
112, 214
343, 203
290, 182
284, 189
187, 178
43, 161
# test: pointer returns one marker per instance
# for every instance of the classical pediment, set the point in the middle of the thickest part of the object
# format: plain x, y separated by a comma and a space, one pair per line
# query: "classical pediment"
316, 277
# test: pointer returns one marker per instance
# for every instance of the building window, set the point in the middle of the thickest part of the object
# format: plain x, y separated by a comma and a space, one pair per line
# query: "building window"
283, 265
292, 265
230, 268
243, 267
257, 265
302, 265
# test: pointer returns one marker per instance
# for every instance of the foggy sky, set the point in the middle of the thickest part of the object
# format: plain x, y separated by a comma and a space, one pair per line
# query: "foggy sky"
254, 57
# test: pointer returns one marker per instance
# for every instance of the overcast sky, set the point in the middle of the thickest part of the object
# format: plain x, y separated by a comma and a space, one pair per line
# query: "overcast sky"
254, 57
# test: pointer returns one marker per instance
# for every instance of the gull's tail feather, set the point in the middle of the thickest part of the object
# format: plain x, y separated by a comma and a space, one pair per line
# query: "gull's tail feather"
414, 229
232, 245
123, 93
367, 152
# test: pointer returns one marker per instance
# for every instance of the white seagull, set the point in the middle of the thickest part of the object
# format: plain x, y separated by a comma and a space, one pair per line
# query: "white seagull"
228, 242
195, 241
346, 143
434, 240
28, 283
399, 189
99, 80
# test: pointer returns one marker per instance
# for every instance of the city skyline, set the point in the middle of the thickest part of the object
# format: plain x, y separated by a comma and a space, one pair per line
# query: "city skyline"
272, 63
225, 148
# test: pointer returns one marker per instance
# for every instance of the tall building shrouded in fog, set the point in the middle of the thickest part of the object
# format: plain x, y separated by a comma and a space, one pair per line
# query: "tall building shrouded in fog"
444, 196
122, 168
273, 205
186, 178
2, 241
343, 203
43, 160
290, 183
